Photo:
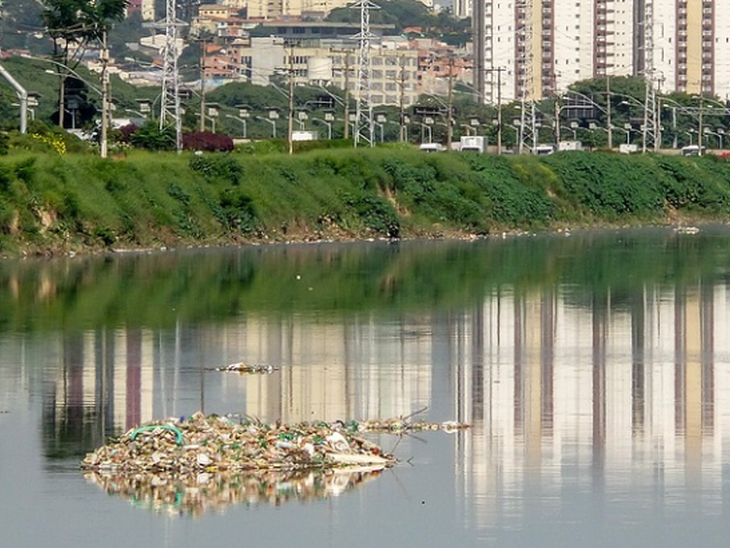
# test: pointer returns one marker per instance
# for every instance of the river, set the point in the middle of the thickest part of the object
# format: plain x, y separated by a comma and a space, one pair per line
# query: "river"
594, 368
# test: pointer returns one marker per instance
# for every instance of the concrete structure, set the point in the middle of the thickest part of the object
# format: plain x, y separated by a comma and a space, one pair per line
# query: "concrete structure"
146, 9
537, 48
462, 8
394, 75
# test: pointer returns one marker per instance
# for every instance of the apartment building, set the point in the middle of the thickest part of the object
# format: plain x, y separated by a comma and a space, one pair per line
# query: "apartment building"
536, 48
146, 9
393, 76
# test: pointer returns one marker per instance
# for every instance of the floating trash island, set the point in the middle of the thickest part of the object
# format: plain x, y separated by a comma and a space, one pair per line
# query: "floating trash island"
210, 443
188, 464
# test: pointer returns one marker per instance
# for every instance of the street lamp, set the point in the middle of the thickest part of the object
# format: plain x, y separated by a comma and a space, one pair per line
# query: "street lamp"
426, 124
33, 103
572, 129
302, 117
380, 120
212, 114
22, 98
144, 106
243, 115
329, 117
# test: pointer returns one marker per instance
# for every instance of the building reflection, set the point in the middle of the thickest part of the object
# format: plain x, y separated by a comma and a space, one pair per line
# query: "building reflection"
600, 391
609, 396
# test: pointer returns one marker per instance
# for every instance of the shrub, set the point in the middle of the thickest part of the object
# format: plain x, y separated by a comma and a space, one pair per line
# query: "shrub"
207, 142
218, 166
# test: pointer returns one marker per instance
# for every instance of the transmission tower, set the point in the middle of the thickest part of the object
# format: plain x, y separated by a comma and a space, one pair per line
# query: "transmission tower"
170, 111
364, 123
528, 120
650, 133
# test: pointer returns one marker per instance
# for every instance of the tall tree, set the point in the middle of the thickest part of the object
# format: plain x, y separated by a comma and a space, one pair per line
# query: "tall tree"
73, 25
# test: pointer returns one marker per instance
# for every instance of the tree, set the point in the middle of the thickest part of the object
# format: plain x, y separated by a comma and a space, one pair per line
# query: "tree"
72, 26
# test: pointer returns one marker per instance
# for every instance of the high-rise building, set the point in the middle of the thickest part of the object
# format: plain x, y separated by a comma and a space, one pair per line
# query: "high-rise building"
536, 48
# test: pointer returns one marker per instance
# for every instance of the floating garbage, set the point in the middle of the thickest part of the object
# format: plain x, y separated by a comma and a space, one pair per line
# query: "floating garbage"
195, 494
241, 367
188, 465
217, 443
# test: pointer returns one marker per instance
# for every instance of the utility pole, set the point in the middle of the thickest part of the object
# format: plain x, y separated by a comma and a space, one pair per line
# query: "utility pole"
202, 84
402, 100
104, 95
290, 131
202, 41
609, 128
346, 133
449, 106
346, 96
699, 121
498, 70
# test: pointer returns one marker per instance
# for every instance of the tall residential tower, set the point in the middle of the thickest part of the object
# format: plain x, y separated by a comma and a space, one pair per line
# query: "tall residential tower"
537, 48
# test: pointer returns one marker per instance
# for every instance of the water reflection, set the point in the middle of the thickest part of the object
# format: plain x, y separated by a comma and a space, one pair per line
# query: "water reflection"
195, 495
606, 398
597, 366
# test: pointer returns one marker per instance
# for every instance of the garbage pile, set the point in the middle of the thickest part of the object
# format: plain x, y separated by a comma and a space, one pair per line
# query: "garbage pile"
240, 367
403, 426
195, 494
191, 465
215, 443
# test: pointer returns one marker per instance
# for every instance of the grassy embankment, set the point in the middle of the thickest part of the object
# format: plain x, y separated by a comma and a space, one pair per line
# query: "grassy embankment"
53, 204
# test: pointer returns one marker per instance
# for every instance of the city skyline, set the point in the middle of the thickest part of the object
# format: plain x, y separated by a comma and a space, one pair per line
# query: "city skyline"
537, 48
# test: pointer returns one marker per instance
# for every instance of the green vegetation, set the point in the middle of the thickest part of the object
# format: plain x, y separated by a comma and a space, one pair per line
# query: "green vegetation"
55, 202
340, 280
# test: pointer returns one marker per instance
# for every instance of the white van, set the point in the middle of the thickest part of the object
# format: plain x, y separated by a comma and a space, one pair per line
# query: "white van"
691, 150
431, 147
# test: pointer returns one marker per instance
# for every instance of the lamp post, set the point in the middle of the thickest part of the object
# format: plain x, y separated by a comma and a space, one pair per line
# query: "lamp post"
699, 120
380, 120
145, 107
212, 114
273, 125
426, 124
574, 130
243, 115
302, 117
329, 117
33, 99
405, 120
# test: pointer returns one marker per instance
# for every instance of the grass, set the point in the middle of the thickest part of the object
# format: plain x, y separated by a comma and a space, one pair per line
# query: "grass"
75, 201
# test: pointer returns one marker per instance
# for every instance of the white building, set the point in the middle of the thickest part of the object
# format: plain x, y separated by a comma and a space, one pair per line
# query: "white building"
536, 48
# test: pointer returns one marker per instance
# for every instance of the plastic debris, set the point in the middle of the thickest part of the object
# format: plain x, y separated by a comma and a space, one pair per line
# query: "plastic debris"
400, 426
216, 443
403, 425
241, 367
190, 465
